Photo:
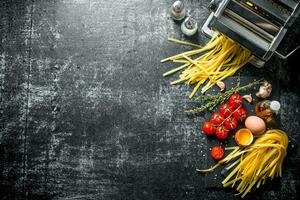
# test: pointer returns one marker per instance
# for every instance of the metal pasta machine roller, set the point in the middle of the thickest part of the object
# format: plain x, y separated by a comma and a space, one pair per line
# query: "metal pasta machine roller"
257, 25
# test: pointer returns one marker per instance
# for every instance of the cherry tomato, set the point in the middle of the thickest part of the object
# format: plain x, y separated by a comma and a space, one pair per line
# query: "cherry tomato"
217, 152
235, 100
240, 114
217, 119
208, 128
231, 123
226, 110
221, 132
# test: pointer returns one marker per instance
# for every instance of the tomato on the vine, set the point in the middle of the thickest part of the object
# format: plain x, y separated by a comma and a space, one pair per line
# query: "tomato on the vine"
221, 132
240, 114
235, 100
217, 152
208, 128
226, 110
231, 123
217, 119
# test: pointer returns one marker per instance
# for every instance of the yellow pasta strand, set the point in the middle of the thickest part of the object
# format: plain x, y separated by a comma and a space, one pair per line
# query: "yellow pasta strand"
221, 57
257, 162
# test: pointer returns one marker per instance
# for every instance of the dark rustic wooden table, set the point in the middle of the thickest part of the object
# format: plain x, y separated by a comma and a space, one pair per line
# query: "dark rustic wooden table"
86, 114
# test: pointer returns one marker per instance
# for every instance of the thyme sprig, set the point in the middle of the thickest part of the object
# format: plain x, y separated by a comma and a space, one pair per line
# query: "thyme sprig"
210, 101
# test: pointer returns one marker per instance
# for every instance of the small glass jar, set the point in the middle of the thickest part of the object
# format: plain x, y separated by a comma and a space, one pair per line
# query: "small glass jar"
268, 110
178, 10
189, 26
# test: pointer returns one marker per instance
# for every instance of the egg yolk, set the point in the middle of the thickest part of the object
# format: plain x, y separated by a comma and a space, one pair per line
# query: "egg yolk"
243, 136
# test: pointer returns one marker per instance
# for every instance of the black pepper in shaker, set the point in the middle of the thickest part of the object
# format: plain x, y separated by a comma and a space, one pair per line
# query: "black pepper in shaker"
178, 11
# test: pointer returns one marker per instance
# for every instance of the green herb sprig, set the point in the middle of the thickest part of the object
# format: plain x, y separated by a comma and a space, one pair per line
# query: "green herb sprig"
210, 101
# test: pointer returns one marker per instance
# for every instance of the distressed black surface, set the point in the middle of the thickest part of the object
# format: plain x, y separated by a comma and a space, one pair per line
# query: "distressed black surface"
86, 114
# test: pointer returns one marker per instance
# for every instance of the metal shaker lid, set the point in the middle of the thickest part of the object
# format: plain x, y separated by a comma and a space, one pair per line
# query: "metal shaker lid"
275, 106
178, 6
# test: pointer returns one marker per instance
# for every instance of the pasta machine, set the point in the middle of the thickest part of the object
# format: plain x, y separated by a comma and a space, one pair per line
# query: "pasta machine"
257, 25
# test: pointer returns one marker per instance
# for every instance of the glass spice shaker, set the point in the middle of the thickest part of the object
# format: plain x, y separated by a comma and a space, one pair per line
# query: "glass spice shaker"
178, 10
189, 26
268, 110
